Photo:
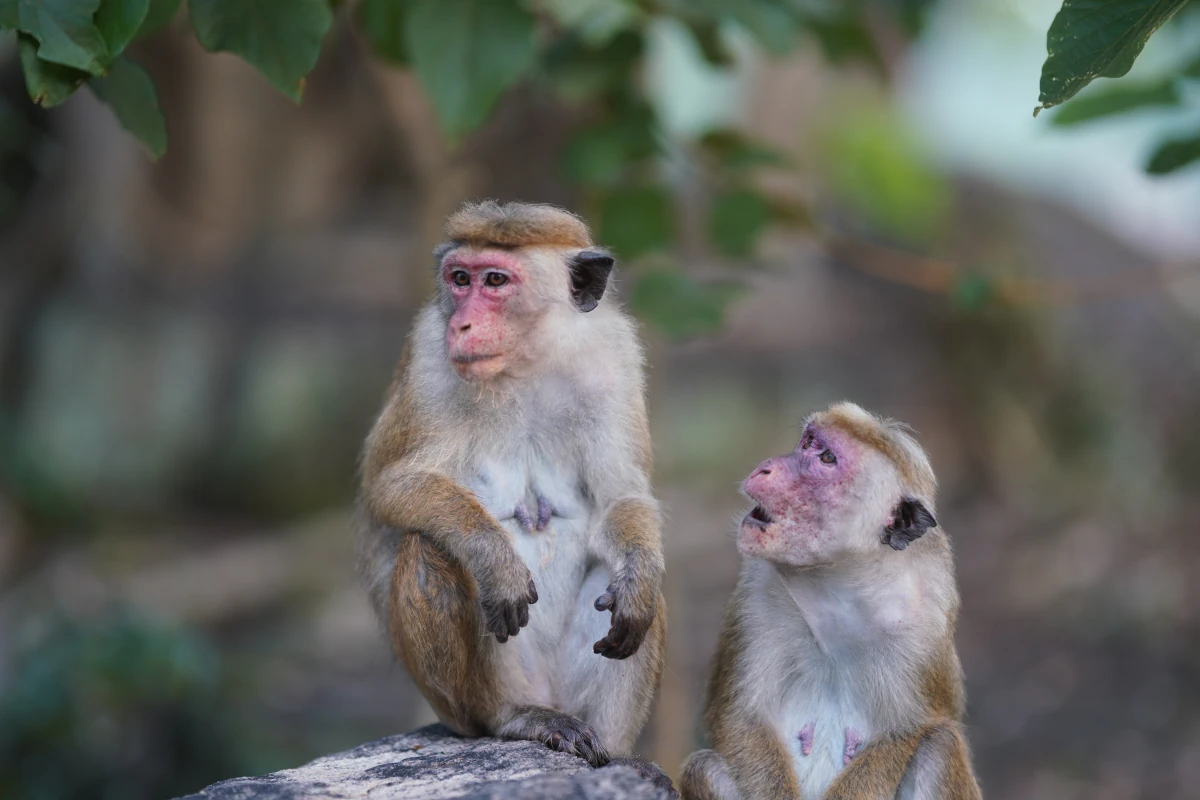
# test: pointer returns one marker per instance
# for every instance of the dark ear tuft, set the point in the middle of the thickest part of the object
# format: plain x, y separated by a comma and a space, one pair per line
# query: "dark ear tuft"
589, 277
910, 521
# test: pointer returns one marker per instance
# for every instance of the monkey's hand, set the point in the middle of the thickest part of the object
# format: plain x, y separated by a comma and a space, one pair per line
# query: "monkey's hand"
506, 591
632, 615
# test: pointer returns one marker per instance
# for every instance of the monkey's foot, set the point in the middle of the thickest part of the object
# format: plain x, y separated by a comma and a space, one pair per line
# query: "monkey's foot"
853, 740
648, 770
558, 731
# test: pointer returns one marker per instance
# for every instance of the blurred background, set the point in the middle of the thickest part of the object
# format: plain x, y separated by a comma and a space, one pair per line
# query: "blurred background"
192, 351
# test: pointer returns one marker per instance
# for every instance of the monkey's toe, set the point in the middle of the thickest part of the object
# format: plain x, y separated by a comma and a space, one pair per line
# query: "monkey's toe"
574, 737
648, 770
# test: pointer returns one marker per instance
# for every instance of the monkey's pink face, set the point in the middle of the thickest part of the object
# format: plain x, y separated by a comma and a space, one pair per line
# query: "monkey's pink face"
488, 319
807, 501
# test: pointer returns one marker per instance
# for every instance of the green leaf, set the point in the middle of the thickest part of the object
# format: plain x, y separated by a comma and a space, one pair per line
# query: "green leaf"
160, 13
735, 152
384, 22
1097, 38
736, 219
467, 53
8, 15
599, 155
972, 292
128, 90
118, 21
281, 38
679, 306
580, 71
65, 33
1174, 154
1116, 99
637, 220
48, 84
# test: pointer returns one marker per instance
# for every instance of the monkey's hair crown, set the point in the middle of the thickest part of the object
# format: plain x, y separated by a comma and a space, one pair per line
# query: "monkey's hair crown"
517, 225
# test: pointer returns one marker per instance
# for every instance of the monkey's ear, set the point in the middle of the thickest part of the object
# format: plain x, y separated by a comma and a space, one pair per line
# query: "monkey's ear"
910, 520
589, 278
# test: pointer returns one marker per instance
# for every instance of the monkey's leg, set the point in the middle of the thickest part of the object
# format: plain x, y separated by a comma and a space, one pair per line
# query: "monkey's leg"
613, 695
706, 777
438, 634
875, 773
941, 768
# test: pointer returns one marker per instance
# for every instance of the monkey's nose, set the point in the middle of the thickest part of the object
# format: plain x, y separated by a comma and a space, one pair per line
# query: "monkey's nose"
466, 326
761, 471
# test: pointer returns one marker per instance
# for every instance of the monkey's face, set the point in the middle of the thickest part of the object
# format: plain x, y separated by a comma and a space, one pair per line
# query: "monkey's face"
822, 502
492, 311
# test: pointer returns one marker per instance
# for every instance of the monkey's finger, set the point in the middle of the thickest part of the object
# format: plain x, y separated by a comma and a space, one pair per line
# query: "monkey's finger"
606, 601
533, 595
523, 615
511, 620
501, 638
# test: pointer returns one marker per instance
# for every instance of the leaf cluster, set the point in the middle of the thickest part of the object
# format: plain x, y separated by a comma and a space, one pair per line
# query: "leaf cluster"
1090, 39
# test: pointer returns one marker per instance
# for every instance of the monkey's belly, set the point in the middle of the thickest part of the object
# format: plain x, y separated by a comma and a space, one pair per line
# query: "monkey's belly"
821, 733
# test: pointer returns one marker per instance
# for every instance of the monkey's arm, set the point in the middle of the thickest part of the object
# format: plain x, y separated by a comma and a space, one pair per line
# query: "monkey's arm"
631, 544
931, 764
430, 504
757, 760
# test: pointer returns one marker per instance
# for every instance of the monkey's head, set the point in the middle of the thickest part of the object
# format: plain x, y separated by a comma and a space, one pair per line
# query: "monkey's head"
514, 279
855, 484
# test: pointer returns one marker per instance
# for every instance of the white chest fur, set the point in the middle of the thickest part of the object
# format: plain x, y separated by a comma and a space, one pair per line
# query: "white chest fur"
832, 664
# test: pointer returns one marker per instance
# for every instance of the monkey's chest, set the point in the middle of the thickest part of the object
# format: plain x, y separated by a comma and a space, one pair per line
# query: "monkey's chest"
823, 731
540, 504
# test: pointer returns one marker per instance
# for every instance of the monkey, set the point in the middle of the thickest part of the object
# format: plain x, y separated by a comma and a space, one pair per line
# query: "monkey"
836, 674
505, 500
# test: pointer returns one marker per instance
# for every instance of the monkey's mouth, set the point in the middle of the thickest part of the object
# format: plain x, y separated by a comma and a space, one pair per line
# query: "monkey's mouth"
759, 516
464, 360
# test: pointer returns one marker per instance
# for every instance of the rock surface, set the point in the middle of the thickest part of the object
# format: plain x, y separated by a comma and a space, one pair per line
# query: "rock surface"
434, 763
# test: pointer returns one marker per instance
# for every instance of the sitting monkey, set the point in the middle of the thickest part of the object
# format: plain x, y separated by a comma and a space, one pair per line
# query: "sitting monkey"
510, 467
836, 674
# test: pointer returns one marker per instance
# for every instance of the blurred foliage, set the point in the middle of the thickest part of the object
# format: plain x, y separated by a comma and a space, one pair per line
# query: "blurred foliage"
877, 169
1090, 39
133, 707
467, 54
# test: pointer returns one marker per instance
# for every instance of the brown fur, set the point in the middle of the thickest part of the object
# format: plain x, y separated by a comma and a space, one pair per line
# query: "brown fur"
752, 752
456, 578
517, 225
436, 634
881, 435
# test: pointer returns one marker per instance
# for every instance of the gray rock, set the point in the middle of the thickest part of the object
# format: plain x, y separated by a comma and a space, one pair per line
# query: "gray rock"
432, 763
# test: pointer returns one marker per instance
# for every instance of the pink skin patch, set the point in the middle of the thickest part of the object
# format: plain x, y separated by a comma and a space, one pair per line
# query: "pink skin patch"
523, 518
544, 512
806, 738
795, 494
481, 333
853, 740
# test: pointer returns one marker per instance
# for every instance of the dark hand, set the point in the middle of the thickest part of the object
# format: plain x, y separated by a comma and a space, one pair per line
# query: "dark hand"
630, 621
506, 594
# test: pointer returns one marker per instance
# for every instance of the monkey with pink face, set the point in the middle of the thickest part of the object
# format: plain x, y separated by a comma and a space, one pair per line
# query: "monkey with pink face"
509, 538
836, 674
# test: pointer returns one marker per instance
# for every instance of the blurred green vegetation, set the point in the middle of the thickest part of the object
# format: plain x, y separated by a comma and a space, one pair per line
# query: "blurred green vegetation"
120, 707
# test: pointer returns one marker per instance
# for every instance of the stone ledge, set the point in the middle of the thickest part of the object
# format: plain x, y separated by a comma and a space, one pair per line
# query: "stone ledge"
432, 763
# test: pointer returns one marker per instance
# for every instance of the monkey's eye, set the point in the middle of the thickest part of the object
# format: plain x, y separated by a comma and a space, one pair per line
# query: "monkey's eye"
496, 279
827, 457
806, 442
460, 277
